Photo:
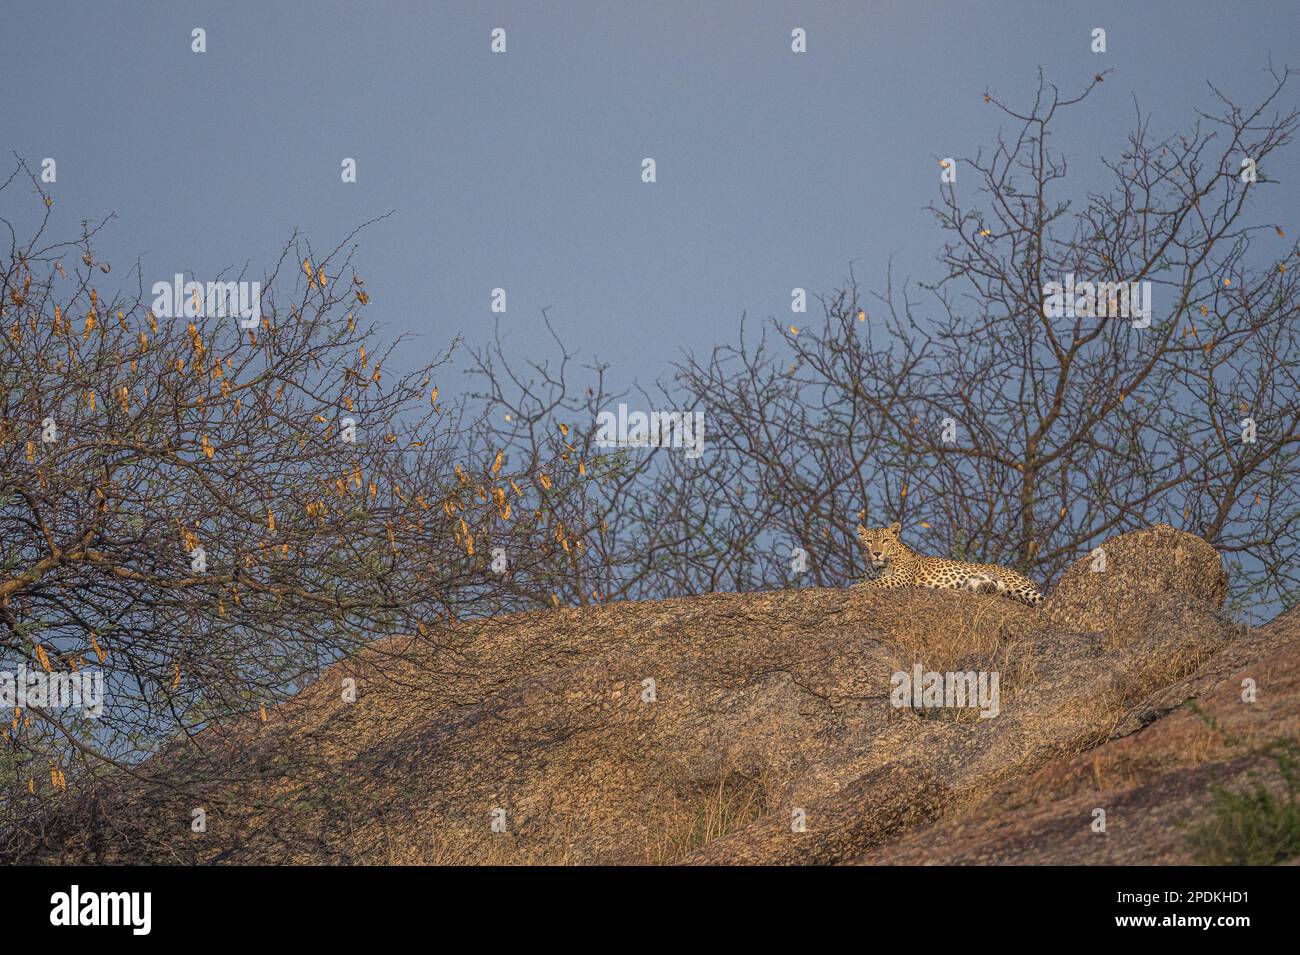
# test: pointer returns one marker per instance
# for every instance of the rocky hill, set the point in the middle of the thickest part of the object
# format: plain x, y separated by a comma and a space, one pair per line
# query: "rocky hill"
745, 728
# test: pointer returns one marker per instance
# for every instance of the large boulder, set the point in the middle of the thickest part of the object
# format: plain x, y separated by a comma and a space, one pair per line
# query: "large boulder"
725, 728
1131, 576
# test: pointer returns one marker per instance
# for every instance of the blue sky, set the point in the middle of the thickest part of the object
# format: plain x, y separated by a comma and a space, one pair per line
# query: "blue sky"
522, 170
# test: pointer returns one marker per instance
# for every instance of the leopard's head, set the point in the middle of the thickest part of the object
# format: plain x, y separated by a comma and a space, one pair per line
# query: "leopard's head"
882, 545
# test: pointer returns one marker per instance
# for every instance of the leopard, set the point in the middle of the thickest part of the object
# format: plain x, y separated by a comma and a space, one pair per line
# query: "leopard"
894, 564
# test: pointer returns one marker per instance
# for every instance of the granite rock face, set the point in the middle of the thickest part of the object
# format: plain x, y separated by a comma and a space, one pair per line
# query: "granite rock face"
728, 728
1149, 570
1155, 783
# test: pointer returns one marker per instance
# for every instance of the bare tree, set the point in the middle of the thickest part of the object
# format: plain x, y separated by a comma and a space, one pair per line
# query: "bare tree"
207, 513
997, 431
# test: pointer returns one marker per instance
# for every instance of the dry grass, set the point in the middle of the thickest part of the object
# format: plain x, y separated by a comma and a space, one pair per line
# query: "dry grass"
409, 848
430, 841
1115, 705
990, 639
1178, 665
987, 634
691, 821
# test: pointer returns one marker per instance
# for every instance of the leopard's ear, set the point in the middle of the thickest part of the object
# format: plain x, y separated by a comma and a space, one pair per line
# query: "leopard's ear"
862, 531
895, 528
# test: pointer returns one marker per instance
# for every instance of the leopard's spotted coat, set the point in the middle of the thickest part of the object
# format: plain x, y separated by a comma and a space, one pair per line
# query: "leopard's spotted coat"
894, 564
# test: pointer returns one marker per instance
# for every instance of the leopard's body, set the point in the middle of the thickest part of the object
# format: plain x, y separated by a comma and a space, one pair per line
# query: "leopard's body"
894, 564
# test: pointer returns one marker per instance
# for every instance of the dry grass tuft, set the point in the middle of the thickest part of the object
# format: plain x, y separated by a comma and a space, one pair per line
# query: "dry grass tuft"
992, 638
711, 812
